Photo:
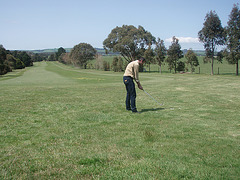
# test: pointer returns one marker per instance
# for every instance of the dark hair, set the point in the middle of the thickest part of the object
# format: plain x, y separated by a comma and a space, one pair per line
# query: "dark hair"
142, 58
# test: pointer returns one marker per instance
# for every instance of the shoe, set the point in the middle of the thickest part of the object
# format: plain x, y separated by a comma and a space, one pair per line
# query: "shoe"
135, 111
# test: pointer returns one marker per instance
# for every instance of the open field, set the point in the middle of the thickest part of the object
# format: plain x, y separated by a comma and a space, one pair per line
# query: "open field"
205, 68
223, 68
60, 122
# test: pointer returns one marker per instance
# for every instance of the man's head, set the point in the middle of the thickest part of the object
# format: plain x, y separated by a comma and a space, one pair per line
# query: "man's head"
141, 60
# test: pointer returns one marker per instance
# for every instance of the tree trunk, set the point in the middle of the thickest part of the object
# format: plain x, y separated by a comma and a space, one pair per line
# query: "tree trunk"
212, 65
175, 67
237, 68
160, 69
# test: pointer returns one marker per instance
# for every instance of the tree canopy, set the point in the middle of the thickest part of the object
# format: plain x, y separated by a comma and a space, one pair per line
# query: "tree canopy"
4, 68
212, 34
60, 51
81, 53
13, 60
174, 54
129, 41
233, 37
192, 59
160, 52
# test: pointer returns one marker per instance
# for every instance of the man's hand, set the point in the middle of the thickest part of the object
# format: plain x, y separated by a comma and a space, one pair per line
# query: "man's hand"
140, 86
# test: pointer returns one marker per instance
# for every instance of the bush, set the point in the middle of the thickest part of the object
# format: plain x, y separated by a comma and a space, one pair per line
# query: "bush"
117, 64
99, 61
106, 66
4, 68
180, 66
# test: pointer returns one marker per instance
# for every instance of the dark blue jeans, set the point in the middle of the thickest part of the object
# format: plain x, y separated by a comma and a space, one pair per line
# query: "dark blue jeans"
131, 93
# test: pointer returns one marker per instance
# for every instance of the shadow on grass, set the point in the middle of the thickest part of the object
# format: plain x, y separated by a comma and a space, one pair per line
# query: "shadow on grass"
152, 109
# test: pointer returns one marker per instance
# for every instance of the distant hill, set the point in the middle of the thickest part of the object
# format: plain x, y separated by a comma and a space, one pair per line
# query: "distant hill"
99, 50
197, 52
48, 50
102, 51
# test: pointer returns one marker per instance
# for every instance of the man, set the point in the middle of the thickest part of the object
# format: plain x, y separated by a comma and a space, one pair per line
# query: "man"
131, 73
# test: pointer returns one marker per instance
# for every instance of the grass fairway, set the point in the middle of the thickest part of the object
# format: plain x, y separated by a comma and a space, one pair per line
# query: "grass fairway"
59, 122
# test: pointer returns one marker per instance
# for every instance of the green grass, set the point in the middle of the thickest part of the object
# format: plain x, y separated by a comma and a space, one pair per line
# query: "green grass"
60, 122
223, 68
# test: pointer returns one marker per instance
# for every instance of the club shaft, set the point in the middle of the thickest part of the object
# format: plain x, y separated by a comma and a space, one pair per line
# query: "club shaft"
152, 98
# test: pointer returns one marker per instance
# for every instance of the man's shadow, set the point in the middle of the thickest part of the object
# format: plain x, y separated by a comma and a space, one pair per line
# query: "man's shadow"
152, 109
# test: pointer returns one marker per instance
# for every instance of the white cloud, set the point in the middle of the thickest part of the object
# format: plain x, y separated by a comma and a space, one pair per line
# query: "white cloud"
184, 40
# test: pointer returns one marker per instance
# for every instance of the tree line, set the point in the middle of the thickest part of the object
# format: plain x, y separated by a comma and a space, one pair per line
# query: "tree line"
10, 60
135, 42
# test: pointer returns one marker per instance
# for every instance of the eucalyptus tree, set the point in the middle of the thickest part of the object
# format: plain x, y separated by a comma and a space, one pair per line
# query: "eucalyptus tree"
82, 53
212, 35
149, 56
233, 37
192, 59
129, 41
174, 54
160, 53
60, 51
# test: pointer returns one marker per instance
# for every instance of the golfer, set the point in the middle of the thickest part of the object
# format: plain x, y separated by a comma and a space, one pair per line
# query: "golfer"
131, 73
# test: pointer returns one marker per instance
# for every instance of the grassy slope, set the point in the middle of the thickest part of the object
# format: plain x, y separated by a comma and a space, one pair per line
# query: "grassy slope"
61, 122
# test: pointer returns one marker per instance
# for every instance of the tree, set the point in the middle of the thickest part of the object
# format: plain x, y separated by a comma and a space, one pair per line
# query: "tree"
82, 53
24, 57
212, 35
180, 66
233, 37
114, 64
15, 63
64, 58
3, 54
99, 61
60, 52
4, 66
37, 57
174, 54
160, 53
129, 41
120, 64
149, 56
192, 59
117, 64
106, 66
52, 57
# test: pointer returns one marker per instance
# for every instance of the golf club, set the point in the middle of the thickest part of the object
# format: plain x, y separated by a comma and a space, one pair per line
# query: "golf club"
153, 98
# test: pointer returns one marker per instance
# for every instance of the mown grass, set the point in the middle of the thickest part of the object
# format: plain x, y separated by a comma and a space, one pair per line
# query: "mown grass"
223, 68
60, 122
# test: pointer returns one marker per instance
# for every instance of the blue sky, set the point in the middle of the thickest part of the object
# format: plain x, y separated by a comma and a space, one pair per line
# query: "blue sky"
43, 24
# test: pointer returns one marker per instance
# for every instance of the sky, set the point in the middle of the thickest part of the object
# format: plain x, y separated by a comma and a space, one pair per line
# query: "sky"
47, 24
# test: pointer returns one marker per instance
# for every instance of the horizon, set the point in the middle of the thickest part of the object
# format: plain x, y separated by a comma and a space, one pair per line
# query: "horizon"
47, 25
72, 47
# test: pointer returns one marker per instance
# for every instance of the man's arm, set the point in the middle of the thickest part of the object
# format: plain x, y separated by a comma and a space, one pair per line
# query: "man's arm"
139, 85
136, 69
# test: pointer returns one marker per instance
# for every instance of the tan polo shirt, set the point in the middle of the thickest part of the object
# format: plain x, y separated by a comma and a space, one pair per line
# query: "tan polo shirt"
132, 70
